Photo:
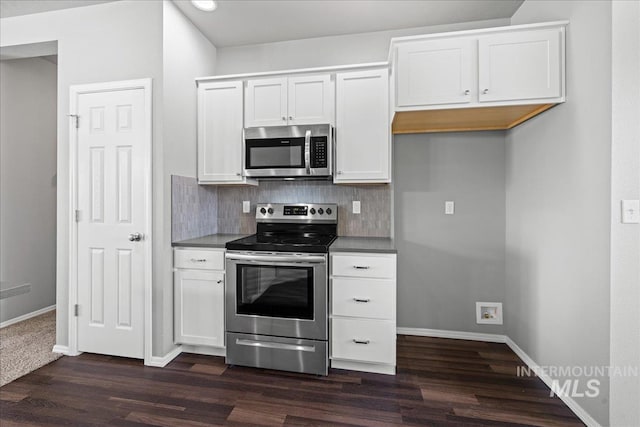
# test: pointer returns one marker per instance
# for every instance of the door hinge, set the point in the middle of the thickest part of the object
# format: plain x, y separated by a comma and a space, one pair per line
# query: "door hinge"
77, 214
77, 119
76, 309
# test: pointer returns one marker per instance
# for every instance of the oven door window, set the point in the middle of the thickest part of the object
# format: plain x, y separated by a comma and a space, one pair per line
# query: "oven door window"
275, 153
275, 291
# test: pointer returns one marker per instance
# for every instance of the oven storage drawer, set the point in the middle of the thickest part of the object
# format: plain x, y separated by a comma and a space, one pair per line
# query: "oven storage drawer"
354, 265
198, 259
286, 354
371, 341
368, 298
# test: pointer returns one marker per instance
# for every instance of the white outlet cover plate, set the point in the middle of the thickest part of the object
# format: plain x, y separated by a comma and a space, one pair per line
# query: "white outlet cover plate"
356, 206
246, 206
483, 306
449, 207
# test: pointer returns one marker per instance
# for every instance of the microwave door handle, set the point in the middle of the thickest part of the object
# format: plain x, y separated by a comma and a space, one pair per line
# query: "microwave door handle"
307, 151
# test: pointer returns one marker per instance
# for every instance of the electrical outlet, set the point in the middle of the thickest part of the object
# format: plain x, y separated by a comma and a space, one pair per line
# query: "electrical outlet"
356, 206
489, 313
630, 211
449, 207
246, 206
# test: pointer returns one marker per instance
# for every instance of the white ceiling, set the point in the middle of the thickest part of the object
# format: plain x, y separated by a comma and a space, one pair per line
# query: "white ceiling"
242, 22
26, 7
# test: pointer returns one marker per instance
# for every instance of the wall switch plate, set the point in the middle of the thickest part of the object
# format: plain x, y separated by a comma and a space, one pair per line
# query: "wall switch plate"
489, 313
630, 211
246, 206
449, 207
356, 206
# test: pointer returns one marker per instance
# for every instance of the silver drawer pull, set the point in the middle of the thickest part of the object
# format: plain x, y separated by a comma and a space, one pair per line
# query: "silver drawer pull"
219, 281
198, 260
276, 345
361, 341
361, 299
361, 267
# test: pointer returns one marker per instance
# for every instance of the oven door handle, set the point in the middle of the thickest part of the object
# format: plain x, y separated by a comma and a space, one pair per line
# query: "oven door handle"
305, 259
307, 151
276, 345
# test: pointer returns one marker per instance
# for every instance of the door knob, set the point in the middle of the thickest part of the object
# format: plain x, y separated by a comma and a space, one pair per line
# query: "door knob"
135, 237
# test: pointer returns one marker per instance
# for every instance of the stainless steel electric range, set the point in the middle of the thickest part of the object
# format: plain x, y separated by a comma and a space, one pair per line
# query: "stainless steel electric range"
277, 289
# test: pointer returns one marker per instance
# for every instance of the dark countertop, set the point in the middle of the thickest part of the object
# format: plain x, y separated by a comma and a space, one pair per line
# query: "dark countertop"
364, 244
210, 241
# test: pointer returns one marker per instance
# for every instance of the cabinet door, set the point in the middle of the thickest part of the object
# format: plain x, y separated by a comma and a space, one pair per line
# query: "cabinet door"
266, 103
199, 307
310, 100
220, 132
520, 65
435, 72
362, 127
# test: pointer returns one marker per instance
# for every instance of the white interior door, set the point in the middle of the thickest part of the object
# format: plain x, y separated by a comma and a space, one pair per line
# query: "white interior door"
112, 155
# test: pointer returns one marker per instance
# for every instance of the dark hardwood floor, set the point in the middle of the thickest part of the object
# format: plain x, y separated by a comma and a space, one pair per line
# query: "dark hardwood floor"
439, 382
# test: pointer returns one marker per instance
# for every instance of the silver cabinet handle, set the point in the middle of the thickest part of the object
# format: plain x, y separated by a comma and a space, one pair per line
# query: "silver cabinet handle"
485, 91
270, 257
290, 117
284, 118
135, 237
467, 92
361, 299
276, 345
361, 267
219, 281
198, 260
361, 341
238, 174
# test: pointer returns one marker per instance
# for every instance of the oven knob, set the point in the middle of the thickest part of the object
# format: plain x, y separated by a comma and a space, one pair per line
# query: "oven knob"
328, 211
313, 211
263, 211
270, 211
320, 211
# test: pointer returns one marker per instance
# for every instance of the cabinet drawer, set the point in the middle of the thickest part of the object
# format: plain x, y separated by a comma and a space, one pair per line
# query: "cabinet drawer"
198, 259
363, 340
370, 298
375, 266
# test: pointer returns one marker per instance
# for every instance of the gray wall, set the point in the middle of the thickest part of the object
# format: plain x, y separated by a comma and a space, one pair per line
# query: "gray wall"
558, 206
326, 51
186, 54
112, 41
448, 262
28, 183
625, 184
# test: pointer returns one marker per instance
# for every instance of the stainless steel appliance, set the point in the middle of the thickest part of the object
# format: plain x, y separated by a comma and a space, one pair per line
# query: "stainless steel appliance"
277, 289
288, 152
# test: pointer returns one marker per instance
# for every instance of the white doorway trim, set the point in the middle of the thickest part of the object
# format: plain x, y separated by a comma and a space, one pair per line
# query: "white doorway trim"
74, 92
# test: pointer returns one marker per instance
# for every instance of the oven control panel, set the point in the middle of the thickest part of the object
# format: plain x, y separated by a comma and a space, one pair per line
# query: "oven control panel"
297, 212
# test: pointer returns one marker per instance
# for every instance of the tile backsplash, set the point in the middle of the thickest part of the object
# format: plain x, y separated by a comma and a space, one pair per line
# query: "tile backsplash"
193, 209
373, 221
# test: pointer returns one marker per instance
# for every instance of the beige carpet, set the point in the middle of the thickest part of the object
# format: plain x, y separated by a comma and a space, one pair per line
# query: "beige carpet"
26, 346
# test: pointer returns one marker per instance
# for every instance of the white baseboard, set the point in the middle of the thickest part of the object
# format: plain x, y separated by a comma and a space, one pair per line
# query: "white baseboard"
27, 316
207, 351
162, 361
62, 349
568, 400
458, 335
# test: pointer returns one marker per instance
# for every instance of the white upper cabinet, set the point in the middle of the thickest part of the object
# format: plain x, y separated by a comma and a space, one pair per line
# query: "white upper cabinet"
292, 100
363, 134
310, 100
220, 133
490, 67
266, 102
435, 72
521, 65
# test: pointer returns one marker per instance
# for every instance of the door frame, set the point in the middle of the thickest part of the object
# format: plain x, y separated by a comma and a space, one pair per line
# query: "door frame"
74, 92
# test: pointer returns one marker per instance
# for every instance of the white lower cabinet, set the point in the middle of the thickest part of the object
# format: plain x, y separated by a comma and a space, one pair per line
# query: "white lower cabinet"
198, 298
363, 312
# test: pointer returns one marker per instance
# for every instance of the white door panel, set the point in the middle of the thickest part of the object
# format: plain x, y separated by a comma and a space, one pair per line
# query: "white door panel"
111, 156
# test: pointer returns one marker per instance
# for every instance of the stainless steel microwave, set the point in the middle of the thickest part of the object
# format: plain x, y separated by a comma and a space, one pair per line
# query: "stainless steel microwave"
288, 151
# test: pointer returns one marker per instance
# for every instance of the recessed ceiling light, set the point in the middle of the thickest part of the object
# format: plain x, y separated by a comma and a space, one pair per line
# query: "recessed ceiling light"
206, 5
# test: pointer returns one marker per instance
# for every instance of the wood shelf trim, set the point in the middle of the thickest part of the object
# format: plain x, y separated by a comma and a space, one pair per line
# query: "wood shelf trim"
465, 119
